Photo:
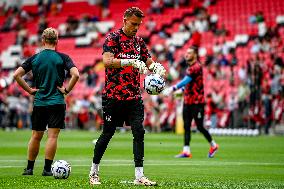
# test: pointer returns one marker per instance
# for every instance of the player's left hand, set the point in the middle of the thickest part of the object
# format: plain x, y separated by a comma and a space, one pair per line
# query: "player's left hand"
168, 91
33, 91
157, 68
141, 66
62, 90
178, 93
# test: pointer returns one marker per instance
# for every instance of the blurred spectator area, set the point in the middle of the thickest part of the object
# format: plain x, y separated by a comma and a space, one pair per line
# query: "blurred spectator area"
237, 40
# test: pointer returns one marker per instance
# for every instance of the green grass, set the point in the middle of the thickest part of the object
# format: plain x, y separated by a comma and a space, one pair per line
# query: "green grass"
241, 162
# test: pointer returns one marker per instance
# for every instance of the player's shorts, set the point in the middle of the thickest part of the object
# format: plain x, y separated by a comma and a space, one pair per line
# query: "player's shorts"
193, 111
52, 116
118, 112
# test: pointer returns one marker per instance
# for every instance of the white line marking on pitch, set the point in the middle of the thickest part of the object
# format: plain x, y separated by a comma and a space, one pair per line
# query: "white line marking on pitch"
156, 163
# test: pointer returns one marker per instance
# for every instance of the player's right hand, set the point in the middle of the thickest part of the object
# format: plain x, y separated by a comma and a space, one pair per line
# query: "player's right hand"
168, 91
140, 65
33, 91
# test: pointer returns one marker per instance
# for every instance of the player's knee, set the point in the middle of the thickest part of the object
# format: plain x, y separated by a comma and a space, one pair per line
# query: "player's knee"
201, 128
109, 129
138, 134
53, 134
186, 129
37, 137
108, 134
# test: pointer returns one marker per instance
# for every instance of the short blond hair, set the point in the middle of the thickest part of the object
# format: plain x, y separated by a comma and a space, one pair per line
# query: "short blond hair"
50, 36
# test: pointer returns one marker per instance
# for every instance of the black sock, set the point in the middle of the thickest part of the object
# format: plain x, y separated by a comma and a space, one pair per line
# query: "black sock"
47, 165
31, 164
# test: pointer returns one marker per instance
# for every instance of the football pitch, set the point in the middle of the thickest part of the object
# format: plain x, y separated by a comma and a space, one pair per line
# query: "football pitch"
241, 162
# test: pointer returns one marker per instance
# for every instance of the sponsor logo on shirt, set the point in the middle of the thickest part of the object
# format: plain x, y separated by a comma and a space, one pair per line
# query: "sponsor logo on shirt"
128, 56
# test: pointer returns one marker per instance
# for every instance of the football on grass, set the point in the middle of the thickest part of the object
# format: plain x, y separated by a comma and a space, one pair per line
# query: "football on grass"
61, 169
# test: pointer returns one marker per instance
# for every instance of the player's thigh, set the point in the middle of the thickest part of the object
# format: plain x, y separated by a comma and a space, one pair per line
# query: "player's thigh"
198, 115
136, 115
112, 114
136, 118
56, 117
39, 118
187, 115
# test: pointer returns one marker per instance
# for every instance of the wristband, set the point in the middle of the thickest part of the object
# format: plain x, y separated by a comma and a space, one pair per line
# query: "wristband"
126, 62
65, 90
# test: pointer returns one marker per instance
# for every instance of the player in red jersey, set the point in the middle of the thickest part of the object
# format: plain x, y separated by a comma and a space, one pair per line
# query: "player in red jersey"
125, 57
194, 101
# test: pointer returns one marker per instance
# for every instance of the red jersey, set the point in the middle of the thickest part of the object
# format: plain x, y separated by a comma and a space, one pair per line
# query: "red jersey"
194, 90
124, 83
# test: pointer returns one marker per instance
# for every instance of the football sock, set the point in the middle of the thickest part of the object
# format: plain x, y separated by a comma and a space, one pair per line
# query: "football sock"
186, 149
30, 164
95, 168
139, 172
213, 143
47, 165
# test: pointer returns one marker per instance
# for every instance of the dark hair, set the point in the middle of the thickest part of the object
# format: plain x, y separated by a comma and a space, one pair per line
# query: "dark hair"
133, 11
194, 48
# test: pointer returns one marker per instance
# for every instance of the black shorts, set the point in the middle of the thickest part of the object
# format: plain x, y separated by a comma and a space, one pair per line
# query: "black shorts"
193, 111
118, 112
52, 116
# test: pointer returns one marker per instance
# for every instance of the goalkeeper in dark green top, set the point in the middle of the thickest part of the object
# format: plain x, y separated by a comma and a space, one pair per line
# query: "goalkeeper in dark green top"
49, 68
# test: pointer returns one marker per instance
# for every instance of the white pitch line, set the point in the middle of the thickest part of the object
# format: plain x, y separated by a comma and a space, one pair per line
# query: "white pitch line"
161, 162
155, 163
76, 160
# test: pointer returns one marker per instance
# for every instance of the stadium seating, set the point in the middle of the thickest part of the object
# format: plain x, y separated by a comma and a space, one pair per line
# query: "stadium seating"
86, 50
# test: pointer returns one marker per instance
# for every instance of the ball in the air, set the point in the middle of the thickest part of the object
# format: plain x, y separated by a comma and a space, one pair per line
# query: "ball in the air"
154, 84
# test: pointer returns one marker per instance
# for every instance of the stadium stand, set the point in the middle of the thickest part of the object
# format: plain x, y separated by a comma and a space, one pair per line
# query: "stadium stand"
240, 42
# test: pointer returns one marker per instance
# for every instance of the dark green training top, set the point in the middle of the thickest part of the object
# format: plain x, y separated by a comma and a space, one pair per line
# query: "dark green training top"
48, 68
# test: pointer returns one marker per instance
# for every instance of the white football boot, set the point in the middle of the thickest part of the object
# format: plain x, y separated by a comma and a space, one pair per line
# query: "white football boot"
144, 181
94, 179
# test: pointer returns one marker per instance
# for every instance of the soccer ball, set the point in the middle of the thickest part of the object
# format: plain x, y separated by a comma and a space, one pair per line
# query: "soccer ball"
154, 84
61, 169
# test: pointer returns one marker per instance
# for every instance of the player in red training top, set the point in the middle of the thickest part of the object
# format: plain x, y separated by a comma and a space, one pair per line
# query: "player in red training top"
125, 57
193, 107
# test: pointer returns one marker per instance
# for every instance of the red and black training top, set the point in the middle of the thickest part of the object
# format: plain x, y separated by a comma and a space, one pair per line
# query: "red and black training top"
124, 83
194, 90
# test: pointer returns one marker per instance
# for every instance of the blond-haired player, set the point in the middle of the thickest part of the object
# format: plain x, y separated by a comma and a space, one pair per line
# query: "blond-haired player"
48, 68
